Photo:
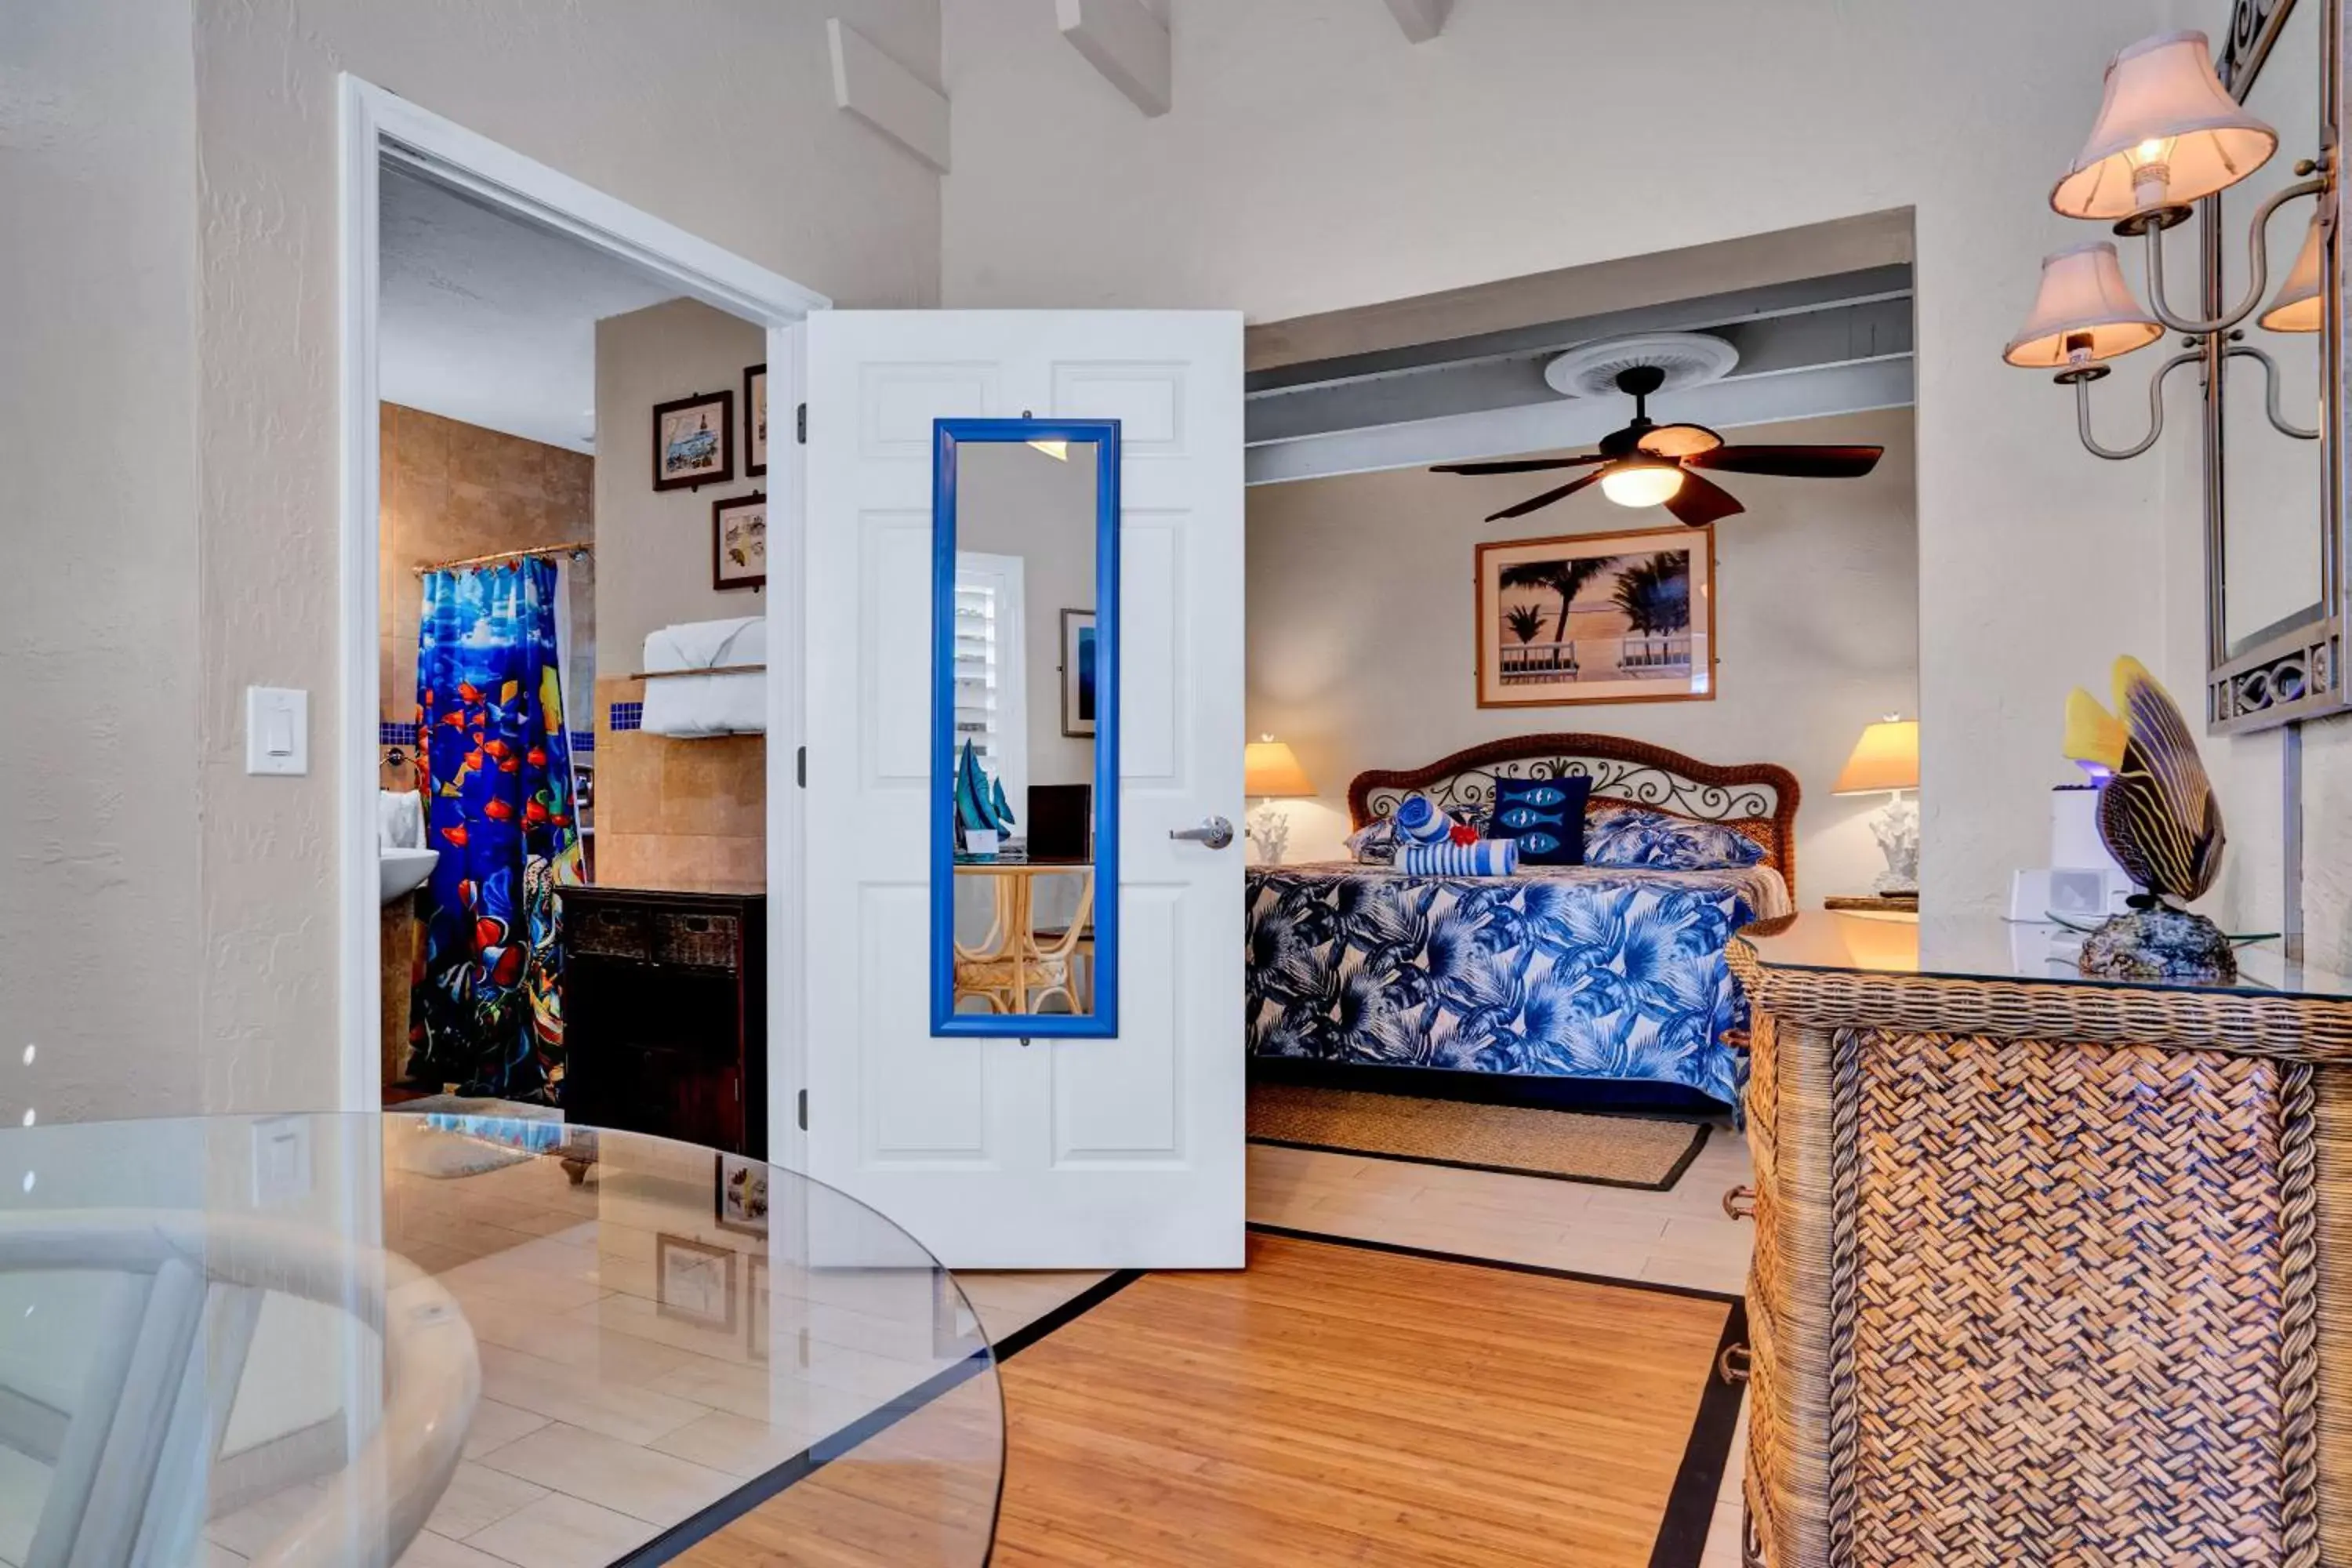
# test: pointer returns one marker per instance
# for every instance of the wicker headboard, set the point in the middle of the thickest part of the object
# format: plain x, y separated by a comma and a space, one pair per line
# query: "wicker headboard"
1758, 799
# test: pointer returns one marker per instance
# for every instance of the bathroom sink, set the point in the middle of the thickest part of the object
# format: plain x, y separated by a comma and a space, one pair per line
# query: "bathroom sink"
401, 872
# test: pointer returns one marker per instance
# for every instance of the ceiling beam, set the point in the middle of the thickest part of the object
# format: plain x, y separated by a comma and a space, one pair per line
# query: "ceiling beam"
1122, 39
1421, 19
1570, 422
885, 94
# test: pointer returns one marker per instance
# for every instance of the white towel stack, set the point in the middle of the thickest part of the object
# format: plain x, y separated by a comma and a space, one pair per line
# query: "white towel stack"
693, 707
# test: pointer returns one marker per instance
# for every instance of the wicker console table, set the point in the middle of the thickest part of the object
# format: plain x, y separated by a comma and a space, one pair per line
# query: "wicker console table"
2047, 1270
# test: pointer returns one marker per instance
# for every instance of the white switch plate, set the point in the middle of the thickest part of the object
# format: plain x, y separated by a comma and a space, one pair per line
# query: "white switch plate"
277, 730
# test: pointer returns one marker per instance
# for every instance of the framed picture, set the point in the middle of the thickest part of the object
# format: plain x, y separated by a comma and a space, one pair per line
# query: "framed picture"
755, 420
755, 1306
1078, 672
739, 1196
738, 541
1597, 618
693, 441
694, 1281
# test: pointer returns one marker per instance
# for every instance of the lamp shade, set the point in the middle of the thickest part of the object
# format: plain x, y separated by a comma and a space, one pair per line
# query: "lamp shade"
2168, 134
1886, 758
1270, 768
2083, 312
2297, 306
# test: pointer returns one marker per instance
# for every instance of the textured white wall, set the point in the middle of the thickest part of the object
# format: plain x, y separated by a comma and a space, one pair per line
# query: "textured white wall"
715, 114
1314, 161
1817, 624
98, 635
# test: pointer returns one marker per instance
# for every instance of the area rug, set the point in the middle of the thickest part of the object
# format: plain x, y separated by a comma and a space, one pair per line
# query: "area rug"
1562, 1145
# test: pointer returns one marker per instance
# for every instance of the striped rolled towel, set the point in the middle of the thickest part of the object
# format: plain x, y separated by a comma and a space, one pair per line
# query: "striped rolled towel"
1420, 820
1485, 858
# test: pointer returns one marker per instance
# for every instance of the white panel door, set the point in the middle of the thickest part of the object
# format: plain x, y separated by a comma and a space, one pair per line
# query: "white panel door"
1080, 1153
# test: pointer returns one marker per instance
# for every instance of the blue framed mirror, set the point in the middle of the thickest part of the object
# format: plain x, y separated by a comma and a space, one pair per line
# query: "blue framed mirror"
1024, 728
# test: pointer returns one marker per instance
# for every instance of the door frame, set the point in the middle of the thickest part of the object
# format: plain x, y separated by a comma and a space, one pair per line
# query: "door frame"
375, 124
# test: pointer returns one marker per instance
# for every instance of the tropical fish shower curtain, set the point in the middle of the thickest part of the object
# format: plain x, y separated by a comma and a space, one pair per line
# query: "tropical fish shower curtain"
488, 1011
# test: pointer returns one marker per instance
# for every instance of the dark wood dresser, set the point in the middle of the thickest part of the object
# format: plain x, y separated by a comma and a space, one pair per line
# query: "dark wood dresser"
665, 1014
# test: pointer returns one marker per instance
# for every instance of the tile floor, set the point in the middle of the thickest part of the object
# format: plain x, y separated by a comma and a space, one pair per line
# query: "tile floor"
567, 1471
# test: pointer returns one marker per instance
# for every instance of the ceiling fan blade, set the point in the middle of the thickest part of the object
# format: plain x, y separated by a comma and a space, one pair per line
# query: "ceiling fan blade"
1679, 440
1701, 501
1519, 465
1795, 462
1536, 504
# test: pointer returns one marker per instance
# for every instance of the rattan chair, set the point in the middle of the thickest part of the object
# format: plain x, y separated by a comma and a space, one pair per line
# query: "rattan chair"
133, 1463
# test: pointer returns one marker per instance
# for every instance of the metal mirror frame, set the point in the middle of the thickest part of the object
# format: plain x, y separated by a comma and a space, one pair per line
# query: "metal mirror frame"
2244, 689
948, 435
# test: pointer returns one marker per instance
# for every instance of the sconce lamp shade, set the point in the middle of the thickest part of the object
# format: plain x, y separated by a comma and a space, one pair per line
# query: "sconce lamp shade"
2297, 306
2084, 312
2168, 134
1886, 758
1270, 768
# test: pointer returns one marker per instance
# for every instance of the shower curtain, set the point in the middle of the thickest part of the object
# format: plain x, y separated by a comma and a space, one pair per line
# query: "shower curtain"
489, 1010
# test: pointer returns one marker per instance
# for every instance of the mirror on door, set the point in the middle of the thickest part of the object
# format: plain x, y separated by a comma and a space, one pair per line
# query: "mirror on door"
1025, 773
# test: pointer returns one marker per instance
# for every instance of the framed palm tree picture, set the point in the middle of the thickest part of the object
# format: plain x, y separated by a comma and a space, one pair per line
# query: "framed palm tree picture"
1597, 618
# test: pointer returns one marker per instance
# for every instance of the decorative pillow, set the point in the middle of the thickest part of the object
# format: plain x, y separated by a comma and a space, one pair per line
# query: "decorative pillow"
1375, 845
1628, 836
1544, 816
1481, 857
1420, 820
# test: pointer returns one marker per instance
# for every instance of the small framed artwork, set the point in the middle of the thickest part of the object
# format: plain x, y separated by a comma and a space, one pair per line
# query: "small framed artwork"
1078, 672
693, 441
738, 541
694, 1281
1597, 618
740, 1196
755, 1306
755, 420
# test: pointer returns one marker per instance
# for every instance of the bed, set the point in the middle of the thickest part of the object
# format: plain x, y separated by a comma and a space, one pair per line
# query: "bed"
1584, 986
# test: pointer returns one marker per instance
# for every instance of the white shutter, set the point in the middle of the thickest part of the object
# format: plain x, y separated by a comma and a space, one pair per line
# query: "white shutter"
992, 706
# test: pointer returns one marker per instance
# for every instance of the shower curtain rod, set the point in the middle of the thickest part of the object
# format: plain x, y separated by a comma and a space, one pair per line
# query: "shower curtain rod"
574, 547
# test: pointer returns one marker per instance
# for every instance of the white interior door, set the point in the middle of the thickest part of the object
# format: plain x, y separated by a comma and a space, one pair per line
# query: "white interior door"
1076, 1153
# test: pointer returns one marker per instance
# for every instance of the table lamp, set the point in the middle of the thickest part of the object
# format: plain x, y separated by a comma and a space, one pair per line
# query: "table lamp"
1886, 759
1270, 770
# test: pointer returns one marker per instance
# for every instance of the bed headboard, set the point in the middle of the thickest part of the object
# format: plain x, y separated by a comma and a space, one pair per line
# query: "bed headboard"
1758, 799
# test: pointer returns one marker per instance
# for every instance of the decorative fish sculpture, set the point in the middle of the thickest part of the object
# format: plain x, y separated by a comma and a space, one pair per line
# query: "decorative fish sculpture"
2156, 810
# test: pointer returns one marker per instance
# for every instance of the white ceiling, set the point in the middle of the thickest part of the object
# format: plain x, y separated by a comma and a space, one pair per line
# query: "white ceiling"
490, 320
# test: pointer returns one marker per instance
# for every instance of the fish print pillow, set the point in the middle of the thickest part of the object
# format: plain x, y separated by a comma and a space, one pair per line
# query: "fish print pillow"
1627, 835
1544, 816
1375, 845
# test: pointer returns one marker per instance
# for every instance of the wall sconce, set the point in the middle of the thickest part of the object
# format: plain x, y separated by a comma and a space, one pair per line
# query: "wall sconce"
2168, 135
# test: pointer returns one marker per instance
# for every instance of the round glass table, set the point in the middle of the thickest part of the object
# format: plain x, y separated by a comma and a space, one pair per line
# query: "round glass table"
461, 1339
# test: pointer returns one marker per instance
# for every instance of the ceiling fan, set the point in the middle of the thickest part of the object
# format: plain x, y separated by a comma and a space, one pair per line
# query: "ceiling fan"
1648, 464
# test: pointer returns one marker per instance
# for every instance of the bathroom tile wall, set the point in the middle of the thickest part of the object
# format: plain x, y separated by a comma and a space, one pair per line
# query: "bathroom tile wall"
451, 490
684, 815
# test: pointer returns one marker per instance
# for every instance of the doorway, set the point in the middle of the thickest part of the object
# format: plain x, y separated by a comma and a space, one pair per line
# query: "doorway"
411, 178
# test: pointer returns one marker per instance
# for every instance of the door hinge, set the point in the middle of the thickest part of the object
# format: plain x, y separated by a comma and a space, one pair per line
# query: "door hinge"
800, 767
800, 423
803, 1110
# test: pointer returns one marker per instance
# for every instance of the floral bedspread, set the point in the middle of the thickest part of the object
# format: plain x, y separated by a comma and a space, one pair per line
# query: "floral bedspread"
1572, 970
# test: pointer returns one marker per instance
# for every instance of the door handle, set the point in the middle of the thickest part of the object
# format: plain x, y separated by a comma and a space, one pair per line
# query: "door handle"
1214, 831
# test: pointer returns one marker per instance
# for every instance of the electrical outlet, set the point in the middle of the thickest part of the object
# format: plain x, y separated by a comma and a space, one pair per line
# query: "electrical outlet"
281, 1161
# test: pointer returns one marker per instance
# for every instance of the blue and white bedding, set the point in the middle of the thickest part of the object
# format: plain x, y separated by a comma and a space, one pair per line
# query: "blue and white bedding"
1577, 971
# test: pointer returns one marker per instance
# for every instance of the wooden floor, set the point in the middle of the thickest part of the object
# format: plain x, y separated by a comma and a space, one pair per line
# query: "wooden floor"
1331, 1405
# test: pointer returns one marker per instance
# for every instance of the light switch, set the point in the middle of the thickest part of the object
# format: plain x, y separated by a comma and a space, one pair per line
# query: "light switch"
277, 730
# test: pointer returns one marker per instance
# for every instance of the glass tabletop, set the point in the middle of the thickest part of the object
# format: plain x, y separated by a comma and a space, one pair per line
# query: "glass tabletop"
446, 1338
1986, 947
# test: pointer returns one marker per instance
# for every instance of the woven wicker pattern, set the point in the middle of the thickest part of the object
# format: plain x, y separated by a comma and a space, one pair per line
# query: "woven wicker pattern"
2332, 1142
1788, 1108
2068, 1340
2286, 1028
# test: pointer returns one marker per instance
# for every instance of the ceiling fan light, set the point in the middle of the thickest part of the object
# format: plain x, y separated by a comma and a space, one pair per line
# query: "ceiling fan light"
1642, 484
2297, 306
2083, 312
2168, 134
